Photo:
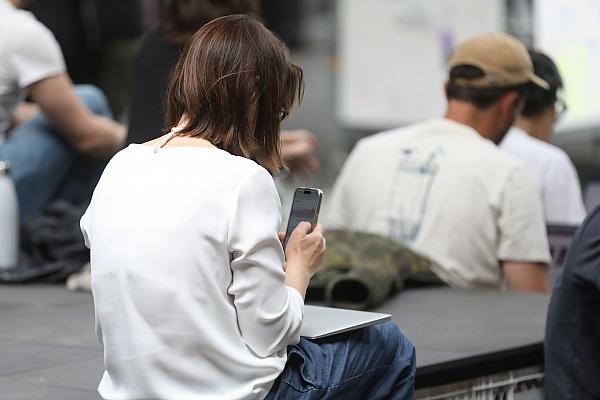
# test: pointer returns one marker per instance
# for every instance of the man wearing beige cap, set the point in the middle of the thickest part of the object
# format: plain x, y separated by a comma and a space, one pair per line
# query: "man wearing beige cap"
443, 187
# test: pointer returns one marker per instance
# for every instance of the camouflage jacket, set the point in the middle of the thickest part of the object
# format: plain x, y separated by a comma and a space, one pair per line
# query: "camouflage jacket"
361, 270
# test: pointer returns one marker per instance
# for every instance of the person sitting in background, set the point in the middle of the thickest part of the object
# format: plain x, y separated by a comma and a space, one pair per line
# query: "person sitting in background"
555, 174
192, 294
443, 187
58, 144
572, 343
159, 52
98, 39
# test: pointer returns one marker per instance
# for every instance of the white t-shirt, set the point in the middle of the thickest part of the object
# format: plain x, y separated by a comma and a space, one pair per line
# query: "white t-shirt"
554, 173
187, 276
28, 53
448, 193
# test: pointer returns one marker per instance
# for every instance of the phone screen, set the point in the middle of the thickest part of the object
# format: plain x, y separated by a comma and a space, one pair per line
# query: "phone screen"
305, 207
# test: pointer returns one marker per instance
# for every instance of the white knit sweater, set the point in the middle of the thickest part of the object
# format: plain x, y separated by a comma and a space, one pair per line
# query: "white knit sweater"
187, 276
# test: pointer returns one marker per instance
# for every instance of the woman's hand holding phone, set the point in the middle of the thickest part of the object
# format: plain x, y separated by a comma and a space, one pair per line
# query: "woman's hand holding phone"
304, 253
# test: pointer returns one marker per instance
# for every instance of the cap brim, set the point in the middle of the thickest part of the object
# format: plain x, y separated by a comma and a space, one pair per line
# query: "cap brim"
539, 81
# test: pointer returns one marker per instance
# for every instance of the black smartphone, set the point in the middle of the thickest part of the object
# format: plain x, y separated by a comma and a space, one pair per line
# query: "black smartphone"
305, 207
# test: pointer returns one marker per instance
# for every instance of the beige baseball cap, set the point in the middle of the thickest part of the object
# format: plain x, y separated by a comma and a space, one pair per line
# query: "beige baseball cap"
503, 59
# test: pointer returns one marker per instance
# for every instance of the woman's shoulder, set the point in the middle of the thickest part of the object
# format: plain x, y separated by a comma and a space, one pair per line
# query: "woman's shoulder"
202, 157
247, 172
251, 170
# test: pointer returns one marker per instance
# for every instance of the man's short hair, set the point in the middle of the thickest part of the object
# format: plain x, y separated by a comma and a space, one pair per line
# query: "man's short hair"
481, 98
538, 99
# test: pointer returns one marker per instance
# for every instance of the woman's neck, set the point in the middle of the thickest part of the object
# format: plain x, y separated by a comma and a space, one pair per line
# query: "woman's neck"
188, 141
174, 139
539, 127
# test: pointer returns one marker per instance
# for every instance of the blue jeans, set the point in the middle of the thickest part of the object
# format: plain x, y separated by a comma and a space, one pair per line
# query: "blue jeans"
373, 363
44, 167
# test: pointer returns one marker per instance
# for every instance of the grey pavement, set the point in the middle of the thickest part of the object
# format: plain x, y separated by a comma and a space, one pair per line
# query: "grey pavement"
48, 349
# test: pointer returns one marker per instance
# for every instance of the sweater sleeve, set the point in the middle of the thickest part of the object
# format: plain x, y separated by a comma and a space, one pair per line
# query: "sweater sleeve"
269, 313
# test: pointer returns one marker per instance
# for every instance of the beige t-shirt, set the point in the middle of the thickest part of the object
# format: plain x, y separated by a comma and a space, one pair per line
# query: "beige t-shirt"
448, 193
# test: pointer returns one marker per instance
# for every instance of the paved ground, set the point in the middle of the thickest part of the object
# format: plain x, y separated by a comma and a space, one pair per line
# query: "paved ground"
47, 345
48, 348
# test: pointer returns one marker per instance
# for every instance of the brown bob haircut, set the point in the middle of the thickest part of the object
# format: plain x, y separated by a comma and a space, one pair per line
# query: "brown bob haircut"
234, 84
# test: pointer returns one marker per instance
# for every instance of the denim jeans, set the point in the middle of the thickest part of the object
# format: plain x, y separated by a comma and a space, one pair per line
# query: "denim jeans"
373, 363
45, 167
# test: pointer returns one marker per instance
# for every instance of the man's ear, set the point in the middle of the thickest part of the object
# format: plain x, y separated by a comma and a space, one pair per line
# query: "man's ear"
511, 102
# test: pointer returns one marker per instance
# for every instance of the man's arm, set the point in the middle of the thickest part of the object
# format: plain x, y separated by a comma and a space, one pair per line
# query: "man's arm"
24, 112
526, 276
523, 250
87, 132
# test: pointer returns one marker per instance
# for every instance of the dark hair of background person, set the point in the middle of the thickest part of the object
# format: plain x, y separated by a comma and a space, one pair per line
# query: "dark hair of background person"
482, 98
98, 39
231, 65
158, 53
538, 99
181, 18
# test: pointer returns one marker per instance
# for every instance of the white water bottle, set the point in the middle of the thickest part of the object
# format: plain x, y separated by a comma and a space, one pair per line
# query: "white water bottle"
9, 219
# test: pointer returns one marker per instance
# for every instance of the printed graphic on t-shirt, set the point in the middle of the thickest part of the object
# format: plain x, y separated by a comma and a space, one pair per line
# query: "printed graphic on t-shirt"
411, 188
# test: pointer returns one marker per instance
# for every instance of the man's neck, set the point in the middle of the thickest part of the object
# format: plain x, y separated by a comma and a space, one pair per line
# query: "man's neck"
534, 127
467, 114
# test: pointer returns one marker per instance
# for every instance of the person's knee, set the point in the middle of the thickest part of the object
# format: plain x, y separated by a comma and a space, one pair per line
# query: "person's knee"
94, 99
395, 343
389, 332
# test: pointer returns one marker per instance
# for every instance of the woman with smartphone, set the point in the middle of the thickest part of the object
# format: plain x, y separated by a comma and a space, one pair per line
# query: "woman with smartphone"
194, 298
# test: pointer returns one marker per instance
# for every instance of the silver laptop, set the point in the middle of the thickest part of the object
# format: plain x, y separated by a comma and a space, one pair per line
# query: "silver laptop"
325, 321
